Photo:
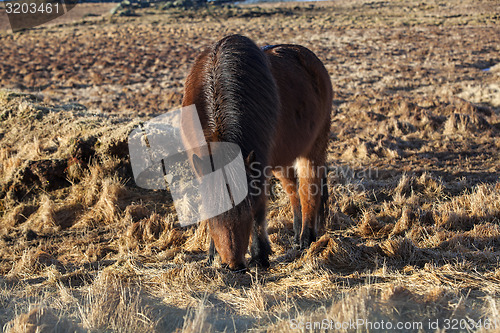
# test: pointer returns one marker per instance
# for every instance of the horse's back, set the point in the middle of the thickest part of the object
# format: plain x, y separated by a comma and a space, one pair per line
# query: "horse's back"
305, 93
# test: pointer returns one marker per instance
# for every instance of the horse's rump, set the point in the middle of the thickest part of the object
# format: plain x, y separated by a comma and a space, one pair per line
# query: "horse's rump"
305, 96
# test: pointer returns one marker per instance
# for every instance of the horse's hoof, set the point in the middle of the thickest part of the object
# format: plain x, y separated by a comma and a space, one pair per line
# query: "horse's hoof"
307, 238
262, 263
241, 268
304, 244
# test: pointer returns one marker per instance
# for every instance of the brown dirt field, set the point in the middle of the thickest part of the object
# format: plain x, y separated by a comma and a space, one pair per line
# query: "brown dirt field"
413, 231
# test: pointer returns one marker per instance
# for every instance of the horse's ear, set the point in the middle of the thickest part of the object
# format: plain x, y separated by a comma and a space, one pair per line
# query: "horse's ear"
249, 161
198, 165
250, 158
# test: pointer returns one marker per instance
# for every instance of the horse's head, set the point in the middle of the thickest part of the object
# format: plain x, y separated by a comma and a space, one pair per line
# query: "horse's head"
230, 233
228, 193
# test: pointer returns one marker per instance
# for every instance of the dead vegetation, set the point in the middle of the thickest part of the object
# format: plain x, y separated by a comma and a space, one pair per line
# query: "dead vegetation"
413, 231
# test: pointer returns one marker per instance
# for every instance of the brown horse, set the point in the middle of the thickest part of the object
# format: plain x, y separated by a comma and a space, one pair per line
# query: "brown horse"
274, 103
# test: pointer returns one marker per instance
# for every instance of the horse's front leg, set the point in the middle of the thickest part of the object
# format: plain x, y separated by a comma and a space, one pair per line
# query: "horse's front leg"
260, 248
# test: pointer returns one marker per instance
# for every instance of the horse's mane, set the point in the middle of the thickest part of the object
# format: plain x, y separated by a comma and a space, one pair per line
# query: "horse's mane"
242, 101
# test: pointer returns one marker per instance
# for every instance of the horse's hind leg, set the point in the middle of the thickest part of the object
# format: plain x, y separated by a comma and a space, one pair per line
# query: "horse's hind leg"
323, 207
311, 174
288, 180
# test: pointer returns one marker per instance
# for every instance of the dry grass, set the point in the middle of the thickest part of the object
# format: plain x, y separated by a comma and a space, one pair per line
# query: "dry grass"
413, 231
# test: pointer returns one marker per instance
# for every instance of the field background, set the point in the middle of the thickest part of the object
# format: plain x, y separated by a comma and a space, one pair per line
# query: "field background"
413, 231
